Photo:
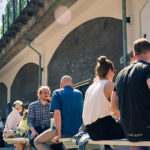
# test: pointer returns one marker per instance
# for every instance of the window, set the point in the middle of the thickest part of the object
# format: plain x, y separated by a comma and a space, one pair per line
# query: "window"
82, 86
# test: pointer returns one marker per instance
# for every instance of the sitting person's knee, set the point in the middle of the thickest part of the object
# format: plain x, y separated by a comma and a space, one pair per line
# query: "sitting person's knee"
35, 141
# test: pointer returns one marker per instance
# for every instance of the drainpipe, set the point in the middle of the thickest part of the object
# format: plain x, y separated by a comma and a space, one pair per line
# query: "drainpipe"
124, 30
40, 70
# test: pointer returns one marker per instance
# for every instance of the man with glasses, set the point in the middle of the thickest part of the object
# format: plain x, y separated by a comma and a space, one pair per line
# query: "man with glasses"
38, 114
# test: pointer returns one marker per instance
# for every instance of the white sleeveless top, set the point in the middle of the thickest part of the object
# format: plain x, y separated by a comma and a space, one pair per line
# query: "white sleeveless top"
96, 104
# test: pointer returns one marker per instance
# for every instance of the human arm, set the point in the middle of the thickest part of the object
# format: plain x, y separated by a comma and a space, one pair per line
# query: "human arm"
30, 119
56, 108
148, 82
108, 90
34, 133
48, 99
57, 119
148, 76
114, 104
5, 129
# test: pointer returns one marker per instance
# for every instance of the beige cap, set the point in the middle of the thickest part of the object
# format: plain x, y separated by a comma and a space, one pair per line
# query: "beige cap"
17, 103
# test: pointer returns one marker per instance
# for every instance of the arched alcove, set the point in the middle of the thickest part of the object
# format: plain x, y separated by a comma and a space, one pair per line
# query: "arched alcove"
25, 84
78, 52
3, 100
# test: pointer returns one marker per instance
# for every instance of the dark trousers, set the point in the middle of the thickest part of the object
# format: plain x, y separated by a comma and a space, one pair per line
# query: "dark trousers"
39, 130
104, 129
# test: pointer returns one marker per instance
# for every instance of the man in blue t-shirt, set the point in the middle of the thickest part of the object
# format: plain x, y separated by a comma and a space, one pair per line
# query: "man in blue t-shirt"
67, 105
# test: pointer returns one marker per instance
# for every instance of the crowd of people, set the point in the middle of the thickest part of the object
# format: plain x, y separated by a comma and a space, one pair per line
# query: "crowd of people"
127, 98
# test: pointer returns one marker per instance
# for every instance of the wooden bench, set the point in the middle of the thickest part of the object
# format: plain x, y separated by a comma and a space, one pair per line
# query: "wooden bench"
119, 142
71, 142
100, 144
16, 140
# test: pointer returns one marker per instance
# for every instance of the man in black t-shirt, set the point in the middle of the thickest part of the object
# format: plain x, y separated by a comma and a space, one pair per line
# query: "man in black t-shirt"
131, 95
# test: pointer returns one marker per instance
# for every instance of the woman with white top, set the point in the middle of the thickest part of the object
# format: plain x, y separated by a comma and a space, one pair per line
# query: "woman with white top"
96, 111
14, 117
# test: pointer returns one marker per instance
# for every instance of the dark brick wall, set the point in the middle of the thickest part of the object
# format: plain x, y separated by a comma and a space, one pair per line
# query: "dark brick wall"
25, 84
78, 52
3, 100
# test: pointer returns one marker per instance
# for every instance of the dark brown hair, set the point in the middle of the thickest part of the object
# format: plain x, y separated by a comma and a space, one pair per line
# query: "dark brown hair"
103, 66
141, 46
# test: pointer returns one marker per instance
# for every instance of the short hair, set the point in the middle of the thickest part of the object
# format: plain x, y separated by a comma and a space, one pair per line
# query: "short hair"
66, 79
40, 90
141, 46
17, 104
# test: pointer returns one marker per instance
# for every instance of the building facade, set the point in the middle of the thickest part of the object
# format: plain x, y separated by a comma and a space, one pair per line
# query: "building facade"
71, 45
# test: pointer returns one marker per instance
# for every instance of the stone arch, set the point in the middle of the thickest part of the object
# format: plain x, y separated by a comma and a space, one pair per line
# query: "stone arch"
25, 84
78, 52
3, 100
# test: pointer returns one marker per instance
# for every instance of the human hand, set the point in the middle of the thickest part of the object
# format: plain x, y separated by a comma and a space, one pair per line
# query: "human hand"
5, 134
10, 133
56, 139
117, 114
48, 99
25, 110
33, 134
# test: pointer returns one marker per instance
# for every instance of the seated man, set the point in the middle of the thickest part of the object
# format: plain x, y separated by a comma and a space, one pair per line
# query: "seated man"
67, 105
38, 114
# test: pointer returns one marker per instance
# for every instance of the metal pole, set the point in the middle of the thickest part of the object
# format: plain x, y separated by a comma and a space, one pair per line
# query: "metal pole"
3, 24
14, 11
124, 29
40, 71
7, 18
20, 6
27, 2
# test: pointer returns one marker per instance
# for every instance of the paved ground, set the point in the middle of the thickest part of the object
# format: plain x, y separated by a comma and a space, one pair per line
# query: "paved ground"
12, 148
7, 148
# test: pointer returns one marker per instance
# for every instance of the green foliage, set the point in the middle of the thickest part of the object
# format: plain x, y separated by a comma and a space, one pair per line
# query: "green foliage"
17, 13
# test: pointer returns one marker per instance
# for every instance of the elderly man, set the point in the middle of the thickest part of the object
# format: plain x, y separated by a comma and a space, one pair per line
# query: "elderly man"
131, 95
39, 114
67, 105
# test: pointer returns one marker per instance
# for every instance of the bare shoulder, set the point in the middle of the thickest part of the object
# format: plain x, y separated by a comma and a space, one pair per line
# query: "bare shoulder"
109, 85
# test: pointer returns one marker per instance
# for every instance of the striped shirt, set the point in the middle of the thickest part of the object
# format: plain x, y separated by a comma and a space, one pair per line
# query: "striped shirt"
38, 114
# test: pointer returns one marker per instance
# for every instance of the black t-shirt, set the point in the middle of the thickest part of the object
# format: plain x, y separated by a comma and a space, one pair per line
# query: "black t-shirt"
134, 100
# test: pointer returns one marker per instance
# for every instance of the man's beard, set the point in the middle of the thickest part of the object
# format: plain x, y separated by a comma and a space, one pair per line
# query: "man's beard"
44, 99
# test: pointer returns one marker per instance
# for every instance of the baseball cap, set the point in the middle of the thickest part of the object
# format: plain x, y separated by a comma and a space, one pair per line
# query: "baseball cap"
17, 103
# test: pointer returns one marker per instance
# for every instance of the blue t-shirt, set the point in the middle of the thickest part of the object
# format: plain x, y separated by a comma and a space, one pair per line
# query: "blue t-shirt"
70, 102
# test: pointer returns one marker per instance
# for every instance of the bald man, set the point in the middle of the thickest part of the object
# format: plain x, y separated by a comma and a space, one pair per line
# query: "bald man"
67, 105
